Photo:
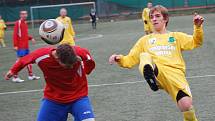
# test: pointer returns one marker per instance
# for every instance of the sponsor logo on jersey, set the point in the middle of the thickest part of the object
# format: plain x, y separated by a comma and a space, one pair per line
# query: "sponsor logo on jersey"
171, 40
152, 40
163, 50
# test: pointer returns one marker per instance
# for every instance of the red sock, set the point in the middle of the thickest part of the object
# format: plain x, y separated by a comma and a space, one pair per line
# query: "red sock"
29, 67
15, 76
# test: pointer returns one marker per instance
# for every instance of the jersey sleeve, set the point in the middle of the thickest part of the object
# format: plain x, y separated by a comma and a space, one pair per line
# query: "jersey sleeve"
15, 35
24, 61
133, 57
189, 42
88, 61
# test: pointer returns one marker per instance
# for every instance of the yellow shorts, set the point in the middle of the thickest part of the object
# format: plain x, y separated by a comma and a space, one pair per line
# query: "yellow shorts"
172, 80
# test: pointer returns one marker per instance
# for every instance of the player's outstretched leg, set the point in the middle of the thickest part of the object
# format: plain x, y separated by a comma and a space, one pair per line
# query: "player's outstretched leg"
186, 106
146, 68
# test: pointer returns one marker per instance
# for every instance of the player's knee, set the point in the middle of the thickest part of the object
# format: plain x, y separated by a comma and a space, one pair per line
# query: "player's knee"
89, 119
185, 103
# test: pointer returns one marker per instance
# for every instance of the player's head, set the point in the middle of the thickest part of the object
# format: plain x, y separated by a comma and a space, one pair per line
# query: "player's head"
23, 14
63, 12
149, 5
195, 13
66, 55
0, 17
159, 17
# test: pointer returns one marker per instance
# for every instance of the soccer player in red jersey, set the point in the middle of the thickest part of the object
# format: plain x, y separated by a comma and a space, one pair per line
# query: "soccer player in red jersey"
20, 42
66, 91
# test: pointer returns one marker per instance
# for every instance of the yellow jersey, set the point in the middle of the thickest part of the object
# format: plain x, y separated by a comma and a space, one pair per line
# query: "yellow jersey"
165, 49
69, 31
2, 28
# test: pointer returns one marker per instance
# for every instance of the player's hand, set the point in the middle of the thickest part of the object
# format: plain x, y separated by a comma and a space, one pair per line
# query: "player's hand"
8, 75
33, 41
91, 20
114, 58
15, 48
198, 20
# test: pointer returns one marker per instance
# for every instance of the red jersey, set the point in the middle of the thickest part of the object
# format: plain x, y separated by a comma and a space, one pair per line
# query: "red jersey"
63, 84
20, 35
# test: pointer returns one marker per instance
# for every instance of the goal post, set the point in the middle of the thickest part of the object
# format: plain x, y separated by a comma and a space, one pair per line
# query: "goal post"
40, 13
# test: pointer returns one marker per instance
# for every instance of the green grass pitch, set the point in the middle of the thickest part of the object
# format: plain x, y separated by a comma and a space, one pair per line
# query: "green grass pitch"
120, 100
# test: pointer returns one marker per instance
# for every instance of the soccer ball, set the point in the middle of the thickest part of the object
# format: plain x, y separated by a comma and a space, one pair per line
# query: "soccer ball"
51, 31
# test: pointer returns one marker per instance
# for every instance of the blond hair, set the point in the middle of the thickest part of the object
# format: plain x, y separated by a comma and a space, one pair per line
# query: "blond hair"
162, 10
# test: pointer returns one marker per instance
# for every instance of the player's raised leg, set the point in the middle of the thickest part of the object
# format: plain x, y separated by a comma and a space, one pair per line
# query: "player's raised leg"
146, 68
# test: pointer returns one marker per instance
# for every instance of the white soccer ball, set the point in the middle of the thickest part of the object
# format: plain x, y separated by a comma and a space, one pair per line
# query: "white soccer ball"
51, 31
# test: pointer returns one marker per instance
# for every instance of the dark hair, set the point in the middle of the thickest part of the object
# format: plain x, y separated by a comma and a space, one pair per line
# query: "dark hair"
66, 54
162, 10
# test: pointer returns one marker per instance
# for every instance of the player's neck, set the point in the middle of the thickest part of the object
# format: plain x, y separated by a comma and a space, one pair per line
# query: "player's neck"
162, 31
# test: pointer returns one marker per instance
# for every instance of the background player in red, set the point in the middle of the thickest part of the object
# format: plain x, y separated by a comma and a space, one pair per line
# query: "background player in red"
66, 90
20, 41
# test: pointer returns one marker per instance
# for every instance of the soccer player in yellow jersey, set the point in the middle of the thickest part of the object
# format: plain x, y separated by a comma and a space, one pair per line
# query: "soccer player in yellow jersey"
160, 60
148, 27
69, 33
2, 30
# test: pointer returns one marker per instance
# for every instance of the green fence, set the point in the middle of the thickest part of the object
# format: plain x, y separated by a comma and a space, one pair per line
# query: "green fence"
10, 10
109, 7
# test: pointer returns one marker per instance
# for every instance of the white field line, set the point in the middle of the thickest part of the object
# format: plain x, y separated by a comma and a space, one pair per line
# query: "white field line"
100, 85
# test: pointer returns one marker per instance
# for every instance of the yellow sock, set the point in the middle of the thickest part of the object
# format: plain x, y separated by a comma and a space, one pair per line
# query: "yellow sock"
145, 58
190, 115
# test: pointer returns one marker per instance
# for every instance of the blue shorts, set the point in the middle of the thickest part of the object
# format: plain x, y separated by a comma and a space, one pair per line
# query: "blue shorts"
22, 52
80, 109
